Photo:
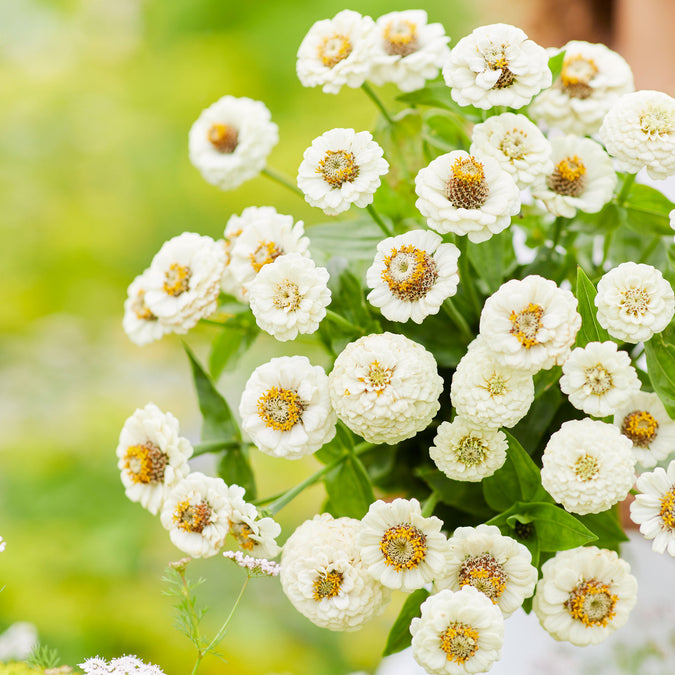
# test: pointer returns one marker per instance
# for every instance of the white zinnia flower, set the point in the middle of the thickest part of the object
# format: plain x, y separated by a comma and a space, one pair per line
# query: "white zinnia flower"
412, 275
264, 236
530, 323
654, 509
591, 79
458, 633
497, 566
234, 227
152, 457
337, 52
466, 194
409, 50
385, 387
496, 65
197, 514
639, 130
488, 392
583, 177
517, 144
634, 301
643, 419
139, 323
230, 141
463, 450
183, 282
290, 296
323, 576
286, 408
597, 378
588, 466
341, 168
401, 548
584, 595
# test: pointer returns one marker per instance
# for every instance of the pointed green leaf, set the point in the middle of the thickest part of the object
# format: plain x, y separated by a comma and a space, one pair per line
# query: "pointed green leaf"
591, 330
647, 210
349, 489
555, 64
234, 468
218, 422
606, 527
230, 345
462, 495
399, 636
661, 369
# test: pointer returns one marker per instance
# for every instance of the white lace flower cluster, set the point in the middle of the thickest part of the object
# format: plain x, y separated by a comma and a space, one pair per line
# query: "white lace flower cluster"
347, 50
123, 665
180, 287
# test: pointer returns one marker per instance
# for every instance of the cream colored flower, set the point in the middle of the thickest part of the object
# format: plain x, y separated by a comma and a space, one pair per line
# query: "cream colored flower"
285, 407
139, 323
385, 387
587, 466
466, 194
464, 450
634, 301
584, 595
401, 548
496, 65
412, 275
231, 140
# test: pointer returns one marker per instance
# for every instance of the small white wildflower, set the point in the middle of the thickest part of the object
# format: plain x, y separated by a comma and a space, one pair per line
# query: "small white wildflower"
584, 595
401, 548
341, 168
496, 65
588, 466
256, 566
3, 544
457, 633
230, 141
410, 51
639, 130
412, 275
152, 456
598, 378
654, 508
286, 407
634, 301
496, 565
385, 387
465, 451
139, 323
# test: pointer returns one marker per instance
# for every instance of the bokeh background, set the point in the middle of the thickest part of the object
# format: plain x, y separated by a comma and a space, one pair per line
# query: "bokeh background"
98, 97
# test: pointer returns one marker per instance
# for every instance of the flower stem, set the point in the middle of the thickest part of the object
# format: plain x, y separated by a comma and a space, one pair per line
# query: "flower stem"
213, 446
626, 188
376, 100
430, 504
557, 231
282, 180
342, 322
457, 319
380, 223
465, 274
650, 249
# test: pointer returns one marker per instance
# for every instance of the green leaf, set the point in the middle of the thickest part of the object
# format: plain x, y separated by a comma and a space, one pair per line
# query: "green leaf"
462, 495
661, 369
647, 210
234, 468
436, 95
555, 64
342, 442
349, 489
591, 330
399, 636
231, 344
218, 422
606, 527
490, 257
355, 240
532, 428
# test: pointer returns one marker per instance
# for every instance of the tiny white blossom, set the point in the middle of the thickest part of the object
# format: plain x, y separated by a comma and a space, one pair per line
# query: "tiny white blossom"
255, 566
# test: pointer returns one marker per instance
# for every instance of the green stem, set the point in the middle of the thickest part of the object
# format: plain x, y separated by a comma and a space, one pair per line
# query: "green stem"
466, 276
457, 319
605, 248
380, 223
650, 249
429, 505
557, 231
213, 446
221, 633
376, 100
342, 322
282, 180
210, 322
625, 188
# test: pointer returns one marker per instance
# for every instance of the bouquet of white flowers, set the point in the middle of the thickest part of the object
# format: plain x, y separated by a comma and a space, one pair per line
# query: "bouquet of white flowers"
497, 322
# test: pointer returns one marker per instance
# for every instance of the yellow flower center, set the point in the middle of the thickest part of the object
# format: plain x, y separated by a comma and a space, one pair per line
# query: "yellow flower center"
576, 75
526, 324
145, 463
177, 279
496, 385
400, 38
485, 574
514, 144
657, 121
333, 49
327, 585
281, 409
592, 603
667, 511
338, 167
641, 427
495, 59
598, 379
223, 137
586, 468
409, 272
266, 252
568, 177
634, 301
471, 451
286, 296
193, 517
467, 188
403, 546
378, 377
242, 533
459, 641
140, 309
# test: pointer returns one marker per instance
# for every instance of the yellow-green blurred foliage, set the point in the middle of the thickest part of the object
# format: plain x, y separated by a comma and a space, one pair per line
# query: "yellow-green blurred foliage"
98, 96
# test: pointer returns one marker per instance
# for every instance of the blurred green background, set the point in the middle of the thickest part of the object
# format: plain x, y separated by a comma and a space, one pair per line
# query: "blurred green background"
98, 99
